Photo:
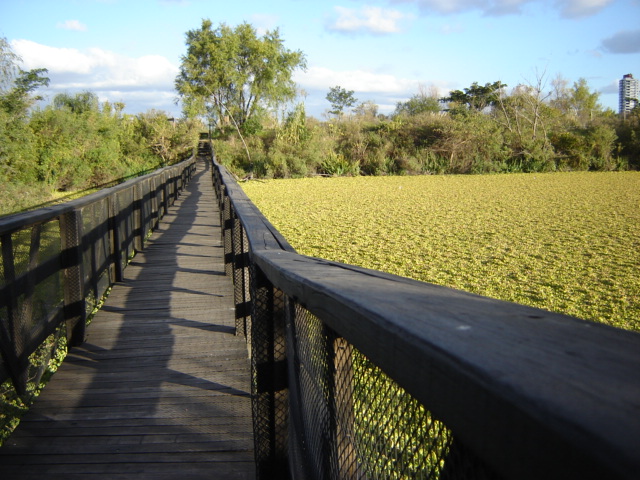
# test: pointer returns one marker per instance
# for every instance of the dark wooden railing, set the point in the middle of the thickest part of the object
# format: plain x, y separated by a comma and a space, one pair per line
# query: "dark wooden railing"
57, 263
362, 374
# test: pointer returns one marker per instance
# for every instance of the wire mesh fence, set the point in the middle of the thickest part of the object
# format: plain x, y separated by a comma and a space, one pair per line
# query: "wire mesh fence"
56, 265
356, 422
322, 409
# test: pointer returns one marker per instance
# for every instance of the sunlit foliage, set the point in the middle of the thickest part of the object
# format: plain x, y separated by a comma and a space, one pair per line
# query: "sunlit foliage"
566, 242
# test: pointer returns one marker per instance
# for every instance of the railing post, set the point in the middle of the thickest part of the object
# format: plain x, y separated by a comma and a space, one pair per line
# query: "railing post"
270, 396
166, 178
227, 235
155, 210
13, 350
240, 289
138, 217
75, 312
342, 385
116, 246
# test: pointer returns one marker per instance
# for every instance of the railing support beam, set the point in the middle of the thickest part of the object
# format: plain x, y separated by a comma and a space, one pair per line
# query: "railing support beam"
75, 315
270, 393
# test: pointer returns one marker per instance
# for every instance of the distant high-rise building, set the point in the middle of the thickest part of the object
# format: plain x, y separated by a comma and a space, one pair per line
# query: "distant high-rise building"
629, 91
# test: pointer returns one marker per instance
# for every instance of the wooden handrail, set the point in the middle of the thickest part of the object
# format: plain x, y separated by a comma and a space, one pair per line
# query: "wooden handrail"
532, 393
101, 241
536, 394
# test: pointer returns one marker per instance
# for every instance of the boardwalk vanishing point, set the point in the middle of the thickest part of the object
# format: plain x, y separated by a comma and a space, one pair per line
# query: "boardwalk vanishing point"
161, 387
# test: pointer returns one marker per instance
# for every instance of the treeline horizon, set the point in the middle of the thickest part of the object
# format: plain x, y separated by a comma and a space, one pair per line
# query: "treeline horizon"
482, 129
76, 143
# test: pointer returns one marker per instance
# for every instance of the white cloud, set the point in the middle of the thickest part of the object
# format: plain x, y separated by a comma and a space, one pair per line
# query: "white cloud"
581, 8
360, 81
35, 55
374, 20
72, 25
488, 7
147, 79
383, 89
568, 8
97, 68
626, 41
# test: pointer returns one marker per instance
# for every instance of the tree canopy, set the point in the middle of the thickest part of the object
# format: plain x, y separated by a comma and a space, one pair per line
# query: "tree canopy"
340, 99
8, 65
418, 104
476, 97
231, 73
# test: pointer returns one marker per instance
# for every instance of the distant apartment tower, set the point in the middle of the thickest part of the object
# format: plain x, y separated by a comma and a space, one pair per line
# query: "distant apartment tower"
629, 91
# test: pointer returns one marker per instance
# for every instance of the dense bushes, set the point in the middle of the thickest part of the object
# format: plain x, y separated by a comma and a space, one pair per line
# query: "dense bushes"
521, 132
76, 143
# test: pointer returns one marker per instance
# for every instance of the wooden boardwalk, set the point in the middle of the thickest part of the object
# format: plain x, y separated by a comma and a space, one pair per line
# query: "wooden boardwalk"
160, 389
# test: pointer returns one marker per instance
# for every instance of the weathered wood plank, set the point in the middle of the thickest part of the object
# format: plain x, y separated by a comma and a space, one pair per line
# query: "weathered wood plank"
160, 388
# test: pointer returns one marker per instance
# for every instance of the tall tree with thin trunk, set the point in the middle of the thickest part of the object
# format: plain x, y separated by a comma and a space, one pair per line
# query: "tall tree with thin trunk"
231, 73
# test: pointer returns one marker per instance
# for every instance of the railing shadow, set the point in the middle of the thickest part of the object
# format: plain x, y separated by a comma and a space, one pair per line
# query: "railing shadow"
147, 317
161, 391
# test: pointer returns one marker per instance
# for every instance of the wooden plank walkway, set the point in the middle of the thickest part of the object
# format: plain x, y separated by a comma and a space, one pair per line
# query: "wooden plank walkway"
160, 389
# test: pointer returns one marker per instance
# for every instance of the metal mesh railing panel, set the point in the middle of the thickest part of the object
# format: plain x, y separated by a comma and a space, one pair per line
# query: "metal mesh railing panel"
227, 232
312, 405
53, 272
242, 294
124, 202
353, 421
33, 296
96, 251
270, 399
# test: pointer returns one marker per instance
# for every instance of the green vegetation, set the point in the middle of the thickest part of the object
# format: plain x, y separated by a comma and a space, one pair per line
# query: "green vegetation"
44, 363
340, 99
478, 130
565, 242
233, 76
75, 143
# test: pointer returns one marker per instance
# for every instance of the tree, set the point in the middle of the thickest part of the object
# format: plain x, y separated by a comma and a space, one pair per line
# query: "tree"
17, 142
367, 109
525, 116
231, 73
8, 65
476, 97
79, 103
422, 102
340, 99
578, 103
18, 99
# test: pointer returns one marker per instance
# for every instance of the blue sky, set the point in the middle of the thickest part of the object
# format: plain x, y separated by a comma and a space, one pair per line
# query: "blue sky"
385, 51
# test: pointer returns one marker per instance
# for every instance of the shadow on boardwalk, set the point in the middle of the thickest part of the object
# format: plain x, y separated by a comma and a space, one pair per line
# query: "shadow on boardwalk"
160, 387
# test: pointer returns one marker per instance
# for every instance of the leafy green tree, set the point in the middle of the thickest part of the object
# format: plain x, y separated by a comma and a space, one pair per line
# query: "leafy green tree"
79, 103
18, 99
340, 99
231, 73
628, 132
476, 97
8, 65
578, 103
584, 102
418, 104
367, 110
17, 142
